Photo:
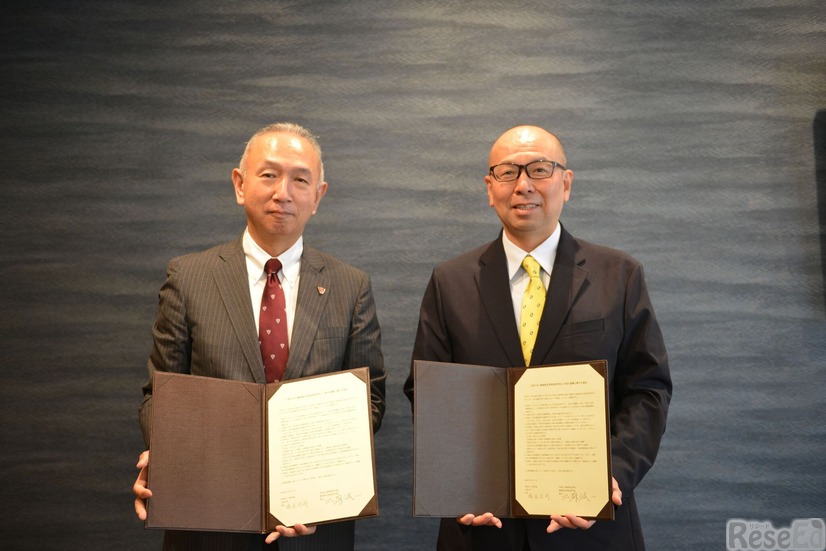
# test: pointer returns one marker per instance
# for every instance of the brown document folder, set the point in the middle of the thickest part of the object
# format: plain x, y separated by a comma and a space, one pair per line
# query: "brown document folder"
208, 466
464, 444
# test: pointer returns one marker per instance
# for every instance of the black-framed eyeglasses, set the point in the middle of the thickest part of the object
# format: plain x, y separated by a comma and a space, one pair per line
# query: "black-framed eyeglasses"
536, 170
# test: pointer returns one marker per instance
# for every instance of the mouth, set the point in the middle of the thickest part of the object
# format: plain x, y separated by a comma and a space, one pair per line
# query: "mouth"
278, 213
526, 206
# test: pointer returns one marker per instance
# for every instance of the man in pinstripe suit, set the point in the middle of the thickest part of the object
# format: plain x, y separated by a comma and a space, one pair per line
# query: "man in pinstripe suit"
208, 311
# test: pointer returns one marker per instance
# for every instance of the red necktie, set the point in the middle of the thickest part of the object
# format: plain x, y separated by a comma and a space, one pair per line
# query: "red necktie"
272, 324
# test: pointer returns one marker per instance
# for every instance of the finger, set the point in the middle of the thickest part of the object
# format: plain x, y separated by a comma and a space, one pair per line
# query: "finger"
142, 493
561, 521
467, 520
271, 537
486, 519
616, 493
302, 530
580, 522
553, 527
575, 522
295, 531
564, 521
140, 509
139, 487
482, 520
143, 460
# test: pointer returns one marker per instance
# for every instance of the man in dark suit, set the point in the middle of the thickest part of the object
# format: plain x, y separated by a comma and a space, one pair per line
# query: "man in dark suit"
596, 307
209, 310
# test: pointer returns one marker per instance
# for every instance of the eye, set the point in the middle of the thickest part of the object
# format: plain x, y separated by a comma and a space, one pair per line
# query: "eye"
302, 177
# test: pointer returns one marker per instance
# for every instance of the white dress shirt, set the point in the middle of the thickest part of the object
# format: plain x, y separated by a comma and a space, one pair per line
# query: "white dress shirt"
544, 254
288, 276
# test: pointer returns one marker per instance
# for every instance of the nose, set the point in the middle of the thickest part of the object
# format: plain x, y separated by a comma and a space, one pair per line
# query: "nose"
524, 183
280, 190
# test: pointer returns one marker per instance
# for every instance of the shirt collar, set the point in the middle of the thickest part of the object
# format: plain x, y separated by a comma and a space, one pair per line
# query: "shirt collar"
257, 258
545, 253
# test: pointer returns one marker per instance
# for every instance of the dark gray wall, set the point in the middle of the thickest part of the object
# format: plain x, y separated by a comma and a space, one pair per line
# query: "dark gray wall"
689, 125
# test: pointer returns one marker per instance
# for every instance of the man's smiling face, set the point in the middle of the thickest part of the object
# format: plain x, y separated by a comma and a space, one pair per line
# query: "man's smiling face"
529, 209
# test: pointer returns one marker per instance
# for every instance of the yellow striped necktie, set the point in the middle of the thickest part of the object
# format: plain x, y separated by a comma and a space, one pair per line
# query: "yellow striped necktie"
532, 303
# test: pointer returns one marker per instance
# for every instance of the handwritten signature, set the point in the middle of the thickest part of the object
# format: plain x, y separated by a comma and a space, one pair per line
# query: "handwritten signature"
295, 505
575, 497
337, 498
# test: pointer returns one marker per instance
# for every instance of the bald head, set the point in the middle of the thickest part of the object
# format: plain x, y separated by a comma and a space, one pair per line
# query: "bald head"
526, 138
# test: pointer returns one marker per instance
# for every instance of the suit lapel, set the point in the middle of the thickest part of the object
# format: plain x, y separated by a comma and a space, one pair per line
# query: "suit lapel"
312, 300
494, 288
567, 279
231, 280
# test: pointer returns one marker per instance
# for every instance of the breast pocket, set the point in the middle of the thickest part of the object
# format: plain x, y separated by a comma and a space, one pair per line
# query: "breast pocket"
327, 351
325, 333
582, 329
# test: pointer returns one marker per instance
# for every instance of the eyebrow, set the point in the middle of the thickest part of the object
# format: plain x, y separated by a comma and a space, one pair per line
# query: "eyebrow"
545, 159
279, 166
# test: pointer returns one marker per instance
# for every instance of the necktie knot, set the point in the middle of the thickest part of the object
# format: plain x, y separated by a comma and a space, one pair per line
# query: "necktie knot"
271, 268
531, 266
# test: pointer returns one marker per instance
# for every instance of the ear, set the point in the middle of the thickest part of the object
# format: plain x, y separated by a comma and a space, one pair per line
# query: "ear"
238, 184
567, 180
488, 184
322, 191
